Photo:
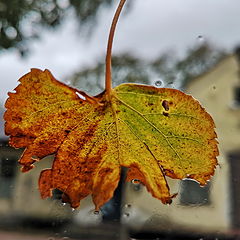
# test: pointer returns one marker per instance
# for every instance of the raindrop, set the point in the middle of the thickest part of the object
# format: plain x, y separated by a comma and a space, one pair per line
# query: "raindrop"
128, 205
67, 82
159, 83
135, 181
96, 212
126, 214
80, 96
200, 38
171, 85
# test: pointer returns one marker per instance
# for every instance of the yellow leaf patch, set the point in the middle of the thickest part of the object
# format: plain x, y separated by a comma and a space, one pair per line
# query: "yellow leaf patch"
155, 132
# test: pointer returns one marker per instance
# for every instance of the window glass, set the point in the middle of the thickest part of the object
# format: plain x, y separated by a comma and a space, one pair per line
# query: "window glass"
192, 193
193, 46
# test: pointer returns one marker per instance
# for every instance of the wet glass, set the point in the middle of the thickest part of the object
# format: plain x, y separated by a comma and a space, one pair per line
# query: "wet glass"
191, 46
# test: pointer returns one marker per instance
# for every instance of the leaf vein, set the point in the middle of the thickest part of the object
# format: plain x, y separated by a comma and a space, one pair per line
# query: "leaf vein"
151, 124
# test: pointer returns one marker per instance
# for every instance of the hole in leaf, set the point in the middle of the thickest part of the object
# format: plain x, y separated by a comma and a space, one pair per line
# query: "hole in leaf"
165, 105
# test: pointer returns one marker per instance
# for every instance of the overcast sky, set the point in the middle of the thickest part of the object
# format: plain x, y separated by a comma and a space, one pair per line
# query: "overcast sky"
151, 28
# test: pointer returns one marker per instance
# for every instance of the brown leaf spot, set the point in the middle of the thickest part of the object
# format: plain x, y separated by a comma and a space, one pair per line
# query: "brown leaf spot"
165, 105
165, 114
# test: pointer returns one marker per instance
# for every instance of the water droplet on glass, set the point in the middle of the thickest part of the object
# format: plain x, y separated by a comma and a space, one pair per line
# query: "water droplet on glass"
126, 214
96, 212
158, 83
80, 96
200, 38
67, 81
214, 87
135, 181
128, 205
171, 85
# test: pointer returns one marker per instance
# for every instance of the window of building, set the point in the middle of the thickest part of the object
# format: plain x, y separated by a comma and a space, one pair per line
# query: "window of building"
234, 158
7, 176
191, 193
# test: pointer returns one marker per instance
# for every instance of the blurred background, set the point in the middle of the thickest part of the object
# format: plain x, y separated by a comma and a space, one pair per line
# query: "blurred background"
190, 45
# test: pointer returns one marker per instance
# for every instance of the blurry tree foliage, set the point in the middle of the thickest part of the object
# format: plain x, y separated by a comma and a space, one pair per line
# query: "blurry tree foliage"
166, 69
22, 20
198, 61
125, 68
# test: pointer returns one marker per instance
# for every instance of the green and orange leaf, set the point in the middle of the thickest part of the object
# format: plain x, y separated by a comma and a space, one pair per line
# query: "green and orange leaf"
154, 132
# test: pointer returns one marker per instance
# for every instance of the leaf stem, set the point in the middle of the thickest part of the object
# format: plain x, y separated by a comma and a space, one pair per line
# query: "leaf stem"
108, 74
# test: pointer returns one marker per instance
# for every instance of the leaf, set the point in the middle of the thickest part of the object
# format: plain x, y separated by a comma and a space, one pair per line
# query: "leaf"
155, 132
